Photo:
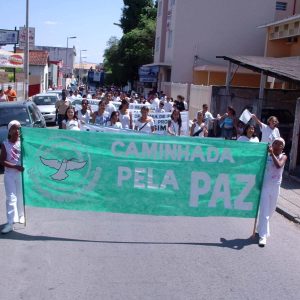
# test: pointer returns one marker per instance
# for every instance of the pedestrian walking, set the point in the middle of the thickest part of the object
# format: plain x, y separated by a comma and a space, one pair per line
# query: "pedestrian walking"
70, 121
11, 94
175, 123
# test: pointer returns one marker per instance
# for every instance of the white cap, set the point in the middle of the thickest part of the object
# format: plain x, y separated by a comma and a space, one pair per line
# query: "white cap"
280, 139
11, 123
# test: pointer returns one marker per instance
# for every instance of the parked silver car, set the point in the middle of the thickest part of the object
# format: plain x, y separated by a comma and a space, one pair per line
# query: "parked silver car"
46, 104
26, 112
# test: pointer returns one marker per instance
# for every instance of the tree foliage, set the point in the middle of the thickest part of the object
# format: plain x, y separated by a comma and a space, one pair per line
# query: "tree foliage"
124, 57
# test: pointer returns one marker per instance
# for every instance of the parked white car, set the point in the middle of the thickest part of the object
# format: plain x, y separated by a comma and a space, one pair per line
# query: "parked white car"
46, 104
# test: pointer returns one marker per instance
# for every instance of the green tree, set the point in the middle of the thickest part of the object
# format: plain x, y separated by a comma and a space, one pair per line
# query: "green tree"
123, 57
131, 13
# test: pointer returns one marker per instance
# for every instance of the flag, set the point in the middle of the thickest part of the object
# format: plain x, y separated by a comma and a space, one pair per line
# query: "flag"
141, 174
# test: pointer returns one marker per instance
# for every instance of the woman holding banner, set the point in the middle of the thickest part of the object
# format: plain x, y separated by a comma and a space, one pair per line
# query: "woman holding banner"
271, 187
145, 123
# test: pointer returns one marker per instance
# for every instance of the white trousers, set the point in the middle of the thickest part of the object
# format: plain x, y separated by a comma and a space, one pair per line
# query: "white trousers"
14, 196
268, 202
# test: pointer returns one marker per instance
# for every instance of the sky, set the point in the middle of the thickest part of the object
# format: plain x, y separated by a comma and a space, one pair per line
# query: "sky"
91, 21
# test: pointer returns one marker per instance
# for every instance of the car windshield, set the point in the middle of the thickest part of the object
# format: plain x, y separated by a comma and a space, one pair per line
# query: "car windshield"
8, 114
44, 100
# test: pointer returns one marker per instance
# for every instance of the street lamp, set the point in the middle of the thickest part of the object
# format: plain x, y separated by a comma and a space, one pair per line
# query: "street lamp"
69, 37
80, 64
26, 53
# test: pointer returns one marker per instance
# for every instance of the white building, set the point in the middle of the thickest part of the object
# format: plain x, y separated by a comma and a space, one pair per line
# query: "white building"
67, 55
192, 33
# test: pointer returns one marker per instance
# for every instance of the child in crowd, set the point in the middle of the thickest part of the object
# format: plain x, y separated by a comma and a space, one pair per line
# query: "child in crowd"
70, 121
11, 160
114, 120
175, 124
271, 187
269, 132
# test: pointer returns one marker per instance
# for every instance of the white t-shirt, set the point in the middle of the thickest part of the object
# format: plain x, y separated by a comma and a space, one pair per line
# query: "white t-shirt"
269, 134
71, 124
208, 118
117, 125
110, 108
244, 138
155, 104
168, 107
143, 127
84, 118
125, 120
3, 98
174, 127
197, 128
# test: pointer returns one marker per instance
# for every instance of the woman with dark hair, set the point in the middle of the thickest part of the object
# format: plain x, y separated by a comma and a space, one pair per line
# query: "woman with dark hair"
100, 117
228, 123
114, 120
174, 125
125, 117
145, 123
84, 114
248, 134
70, 121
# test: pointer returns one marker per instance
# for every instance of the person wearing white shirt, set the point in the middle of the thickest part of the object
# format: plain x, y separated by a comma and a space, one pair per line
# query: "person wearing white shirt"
269, 132
109, 107
145, 123
168, 107
248, 134
155, 102
160, 109
114, 120
84, 114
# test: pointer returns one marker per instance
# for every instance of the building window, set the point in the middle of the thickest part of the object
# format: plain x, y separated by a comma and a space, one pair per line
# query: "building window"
281, 5
170, 38
157, 44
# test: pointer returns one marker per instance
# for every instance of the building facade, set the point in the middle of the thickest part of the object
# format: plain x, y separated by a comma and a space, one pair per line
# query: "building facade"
66, 55
191, 33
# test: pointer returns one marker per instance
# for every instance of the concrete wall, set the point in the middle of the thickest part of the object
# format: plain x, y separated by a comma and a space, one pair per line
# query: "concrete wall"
199, 95
211, 27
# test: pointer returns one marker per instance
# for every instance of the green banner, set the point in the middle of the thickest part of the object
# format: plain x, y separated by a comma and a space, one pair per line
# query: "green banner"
141, 174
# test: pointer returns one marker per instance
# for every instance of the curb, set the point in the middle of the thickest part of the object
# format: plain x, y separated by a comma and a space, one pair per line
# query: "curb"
295, 219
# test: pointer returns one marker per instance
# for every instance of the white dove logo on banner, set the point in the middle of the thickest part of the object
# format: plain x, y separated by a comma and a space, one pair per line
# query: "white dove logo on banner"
62, 167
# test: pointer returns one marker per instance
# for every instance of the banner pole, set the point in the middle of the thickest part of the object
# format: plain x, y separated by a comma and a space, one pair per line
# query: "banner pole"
258, 204
23, 194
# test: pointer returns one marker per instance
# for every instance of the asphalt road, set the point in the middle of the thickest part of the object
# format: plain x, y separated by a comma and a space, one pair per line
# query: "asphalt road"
64, 254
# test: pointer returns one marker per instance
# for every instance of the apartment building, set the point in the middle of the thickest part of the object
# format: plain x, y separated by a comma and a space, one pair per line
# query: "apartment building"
191, 33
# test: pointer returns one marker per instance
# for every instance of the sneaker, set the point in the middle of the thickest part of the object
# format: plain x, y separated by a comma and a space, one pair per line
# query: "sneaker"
7, 228
262, 241
22, 220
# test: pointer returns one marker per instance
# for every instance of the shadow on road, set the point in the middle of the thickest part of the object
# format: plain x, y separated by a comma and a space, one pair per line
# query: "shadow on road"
235, 244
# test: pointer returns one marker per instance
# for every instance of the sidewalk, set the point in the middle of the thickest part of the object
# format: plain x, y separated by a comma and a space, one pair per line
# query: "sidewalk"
289, 199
